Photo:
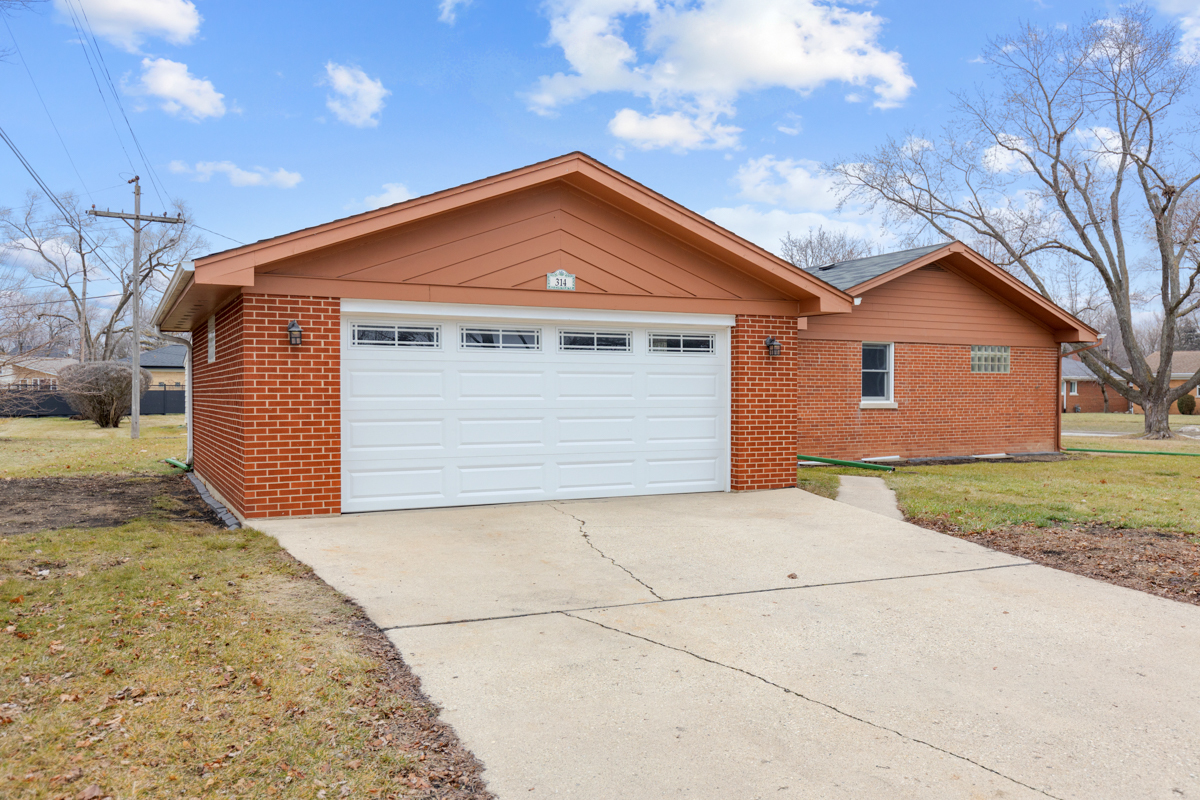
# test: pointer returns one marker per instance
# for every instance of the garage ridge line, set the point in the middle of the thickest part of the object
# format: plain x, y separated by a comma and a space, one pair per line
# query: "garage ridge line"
567, 611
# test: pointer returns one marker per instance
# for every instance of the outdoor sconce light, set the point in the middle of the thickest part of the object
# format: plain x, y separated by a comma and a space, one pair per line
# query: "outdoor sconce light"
774, 348
295, 334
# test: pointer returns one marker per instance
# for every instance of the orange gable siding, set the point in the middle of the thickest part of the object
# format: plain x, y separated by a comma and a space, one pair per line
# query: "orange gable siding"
932, 305
509, 245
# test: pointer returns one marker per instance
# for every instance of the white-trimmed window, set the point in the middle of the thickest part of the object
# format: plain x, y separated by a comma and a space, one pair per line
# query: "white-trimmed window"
990, 358
1073, 387
607, 341
374, 335
695, 343
877, 373
212, 338
501, 338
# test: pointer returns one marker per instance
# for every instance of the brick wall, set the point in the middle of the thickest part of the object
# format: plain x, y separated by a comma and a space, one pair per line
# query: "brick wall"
1091, 401
218, 406
943, 408
763, 447
268, 415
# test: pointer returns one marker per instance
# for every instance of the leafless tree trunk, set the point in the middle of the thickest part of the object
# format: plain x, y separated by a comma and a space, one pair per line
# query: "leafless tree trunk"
69, 253
1083, 147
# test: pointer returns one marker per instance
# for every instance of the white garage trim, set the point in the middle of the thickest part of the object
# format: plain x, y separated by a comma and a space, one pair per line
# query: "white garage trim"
534, 313
463, 422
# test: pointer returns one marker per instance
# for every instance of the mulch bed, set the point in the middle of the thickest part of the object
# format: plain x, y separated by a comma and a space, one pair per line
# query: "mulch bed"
1157, 562
96, 501
447, 770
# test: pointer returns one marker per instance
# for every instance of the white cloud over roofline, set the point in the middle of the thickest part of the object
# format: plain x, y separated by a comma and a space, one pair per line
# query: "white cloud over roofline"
357, 98
128, 23
696, 59
180, 93
255, 176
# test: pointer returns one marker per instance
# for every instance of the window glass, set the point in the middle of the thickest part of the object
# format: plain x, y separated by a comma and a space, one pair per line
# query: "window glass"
594, 340
683, 343
502, 338
989, 358
212, 339
876, 369
396, 335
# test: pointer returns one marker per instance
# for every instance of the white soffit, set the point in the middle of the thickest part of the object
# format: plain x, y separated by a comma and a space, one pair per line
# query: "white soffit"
534, 313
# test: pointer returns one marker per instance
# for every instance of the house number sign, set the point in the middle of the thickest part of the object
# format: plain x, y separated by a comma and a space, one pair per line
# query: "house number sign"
561, 279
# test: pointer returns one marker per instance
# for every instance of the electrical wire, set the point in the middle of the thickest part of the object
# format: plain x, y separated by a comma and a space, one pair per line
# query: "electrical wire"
56, 302
214, 233
46, 108
155, 181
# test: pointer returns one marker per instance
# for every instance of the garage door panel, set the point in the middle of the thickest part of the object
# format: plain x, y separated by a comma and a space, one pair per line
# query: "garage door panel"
503, 479
683, 385
501, 385
597, 430
455, 426
398, 384
401, 434
492, 432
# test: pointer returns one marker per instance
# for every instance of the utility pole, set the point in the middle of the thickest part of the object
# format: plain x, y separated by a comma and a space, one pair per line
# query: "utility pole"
135, 304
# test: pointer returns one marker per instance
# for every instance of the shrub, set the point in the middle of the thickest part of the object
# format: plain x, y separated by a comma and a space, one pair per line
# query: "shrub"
1187, 404
100, 391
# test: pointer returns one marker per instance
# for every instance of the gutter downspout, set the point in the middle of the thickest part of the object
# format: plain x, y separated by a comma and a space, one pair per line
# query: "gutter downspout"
169, 297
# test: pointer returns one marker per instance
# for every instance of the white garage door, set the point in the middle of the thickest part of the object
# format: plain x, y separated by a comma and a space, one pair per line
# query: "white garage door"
448, 410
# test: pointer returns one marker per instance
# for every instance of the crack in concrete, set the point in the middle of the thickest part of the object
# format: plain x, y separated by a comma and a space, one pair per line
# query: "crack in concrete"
604, 555
706, 596
814, 701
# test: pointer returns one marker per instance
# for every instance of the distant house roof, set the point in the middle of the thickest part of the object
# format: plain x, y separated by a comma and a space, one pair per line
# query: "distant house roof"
50, 366
170, 357
1184, 363
847, 274
1073, 370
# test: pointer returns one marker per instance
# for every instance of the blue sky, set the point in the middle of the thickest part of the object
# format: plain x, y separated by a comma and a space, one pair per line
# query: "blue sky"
267, 117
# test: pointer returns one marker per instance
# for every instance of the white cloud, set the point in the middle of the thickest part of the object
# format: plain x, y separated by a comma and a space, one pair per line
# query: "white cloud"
357, 98
182, 94
767, 228
257, 176
794, 183
1001, 158
697, 58
448, 10
127, 23
392, 193
677, 131
1188, 13
791, 124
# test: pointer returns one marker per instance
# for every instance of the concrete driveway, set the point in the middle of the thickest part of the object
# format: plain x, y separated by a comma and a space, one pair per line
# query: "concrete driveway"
656, 647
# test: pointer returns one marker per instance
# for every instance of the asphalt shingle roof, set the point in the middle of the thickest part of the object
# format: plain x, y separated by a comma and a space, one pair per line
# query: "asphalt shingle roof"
171, 356
1182, 362
1073, 370
847, 274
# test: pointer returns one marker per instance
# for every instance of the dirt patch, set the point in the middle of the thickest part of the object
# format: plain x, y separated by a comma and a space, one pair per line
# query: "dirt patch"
955, 460
1157, 562
96, 501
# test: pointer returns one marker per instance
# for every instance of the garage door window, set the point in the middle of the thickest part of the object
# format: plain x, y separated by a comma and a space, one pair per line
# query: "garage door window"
697, 343
396, 336
595, 340
502, 338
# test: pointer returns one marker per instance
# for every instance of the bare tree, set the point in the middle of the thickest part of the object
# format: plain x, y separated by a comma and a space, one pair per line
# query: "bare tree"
72, 253
101, 391
1089, 139
820, 247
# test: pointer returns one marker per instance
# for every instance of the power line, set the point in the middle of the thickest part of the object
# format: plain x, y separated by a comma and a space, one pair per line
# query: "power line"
56, 302
46, 108
154, 179
214, 233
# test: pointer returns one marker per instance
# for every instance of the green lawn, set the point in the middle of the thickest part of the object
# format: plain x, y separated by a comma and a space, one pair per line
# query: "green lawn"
1128, 491
1119, 423
38, 447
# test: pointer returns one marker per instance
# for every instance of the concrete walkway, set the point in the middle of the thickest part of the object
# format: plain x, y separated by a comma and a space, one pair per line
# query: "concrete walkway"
659, 647
869, 494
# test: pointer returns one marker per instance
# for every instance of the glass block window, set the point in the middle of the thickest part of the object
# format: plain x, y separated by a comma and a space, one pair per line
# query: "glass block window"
876, 372
595, 340
989, 358
502, 338
396, 335
683, 343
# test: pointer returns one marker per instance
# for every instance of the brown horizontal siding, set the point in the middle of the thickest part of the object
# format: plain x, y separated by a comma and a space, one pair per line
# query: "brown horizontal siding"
934, 306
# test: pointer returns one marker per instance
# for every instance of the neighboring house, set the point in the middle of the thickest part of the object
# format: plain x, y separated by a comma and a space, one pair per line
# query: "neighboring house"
1184, 364
561, 331
41, 372
1084, 392
166, 365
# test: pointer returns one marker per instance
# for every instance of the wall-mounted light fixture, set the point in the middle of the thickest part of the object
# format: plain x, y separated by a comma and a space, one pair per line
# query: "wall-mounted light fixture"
774, 348
295, 334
